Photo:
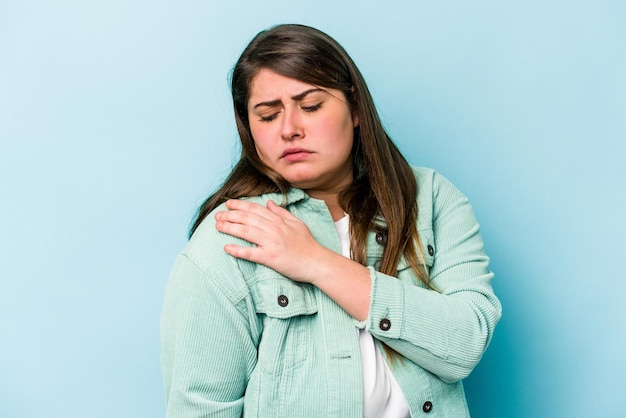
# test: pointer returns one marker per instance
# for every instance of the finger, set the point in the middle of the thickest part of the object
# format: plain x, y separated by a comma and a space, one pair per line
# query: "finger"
280, 211
246, 232
240, 217
245, 253
249, 213
245, 206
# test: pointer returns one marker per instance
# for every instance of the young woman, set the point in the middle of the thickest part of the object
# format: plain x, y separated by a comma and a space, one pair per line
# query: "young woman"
325, 277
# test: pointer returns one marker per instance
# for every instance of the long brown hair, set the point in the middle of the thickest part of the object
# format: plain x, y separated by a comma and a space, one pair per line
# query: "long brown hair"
384, 184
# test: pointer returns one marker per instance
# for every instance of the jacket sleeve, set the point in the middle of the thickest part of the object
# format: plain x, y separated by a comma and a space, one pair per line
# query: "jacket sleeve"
208, 349
445, 330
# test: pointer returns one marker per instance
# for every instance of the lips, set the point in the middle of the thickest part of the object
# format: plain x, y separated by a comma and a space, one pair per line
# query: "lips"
289, 151
295, 153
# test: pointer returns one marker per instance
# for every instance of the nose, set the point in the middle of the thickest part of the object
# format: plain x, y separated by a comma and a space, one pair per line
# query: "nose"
291, 125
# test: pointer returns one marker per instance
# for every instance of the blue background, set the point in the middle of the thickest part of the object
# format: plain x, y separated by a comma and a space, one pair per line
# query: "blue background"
115, 123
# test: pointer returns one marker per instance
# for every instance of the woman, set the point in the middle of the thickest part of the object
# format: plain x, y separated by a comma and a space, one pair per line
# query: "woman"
326, 277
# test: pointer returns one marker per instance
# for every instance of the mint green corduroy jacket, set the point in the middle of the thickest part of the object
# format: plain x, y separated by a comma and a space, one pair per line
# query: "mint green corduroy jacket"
240, 339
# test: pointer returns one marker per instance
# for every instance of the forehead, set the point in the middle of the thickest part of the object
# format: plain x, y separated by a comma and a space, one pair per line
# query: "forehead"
269, 85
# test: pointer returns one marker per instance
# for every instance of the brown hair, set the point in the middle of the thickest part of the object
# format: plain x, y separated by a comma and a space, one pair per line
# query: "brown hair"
384, 184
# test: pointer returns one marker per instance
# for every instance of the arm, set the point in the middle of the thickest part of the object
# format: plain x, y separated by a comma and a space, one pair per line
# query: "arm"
208, 351
444, 331
285, 244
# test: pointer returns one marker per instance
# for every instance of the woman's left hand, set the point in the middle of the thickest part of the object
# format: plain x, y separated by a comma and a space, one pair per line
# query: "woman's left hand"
283, 242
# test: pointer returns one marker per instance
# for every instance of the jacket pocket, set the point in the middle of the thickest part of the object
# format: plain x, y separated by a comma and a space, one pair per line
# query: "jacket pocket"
287, 310
278, 297
427, 241
405, 273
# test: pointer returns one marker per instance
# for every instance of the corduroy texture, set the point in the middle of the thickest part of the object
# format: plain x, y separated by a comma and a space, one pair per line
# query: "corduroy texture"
231, 346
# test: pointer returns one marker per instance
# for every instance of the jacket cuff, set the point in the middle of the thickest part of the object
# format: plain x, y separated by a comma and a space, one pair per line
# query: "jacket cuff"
385, 316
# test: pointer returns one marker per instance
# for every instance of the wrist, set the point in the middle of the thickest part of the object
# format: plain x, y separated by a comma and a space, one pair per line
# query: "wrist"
320, 266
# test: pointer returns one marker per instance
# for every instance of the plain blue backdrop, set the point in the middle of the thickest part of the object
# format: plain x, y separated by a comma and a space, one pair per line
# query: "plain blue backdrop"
116, 122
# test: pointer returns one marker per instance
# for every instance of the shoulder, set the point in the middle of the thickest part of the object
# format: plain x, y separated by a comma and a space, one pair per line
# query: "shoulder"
205, 251
434, 188
429, 181
423, 174
434, 191
206, 246
441, 203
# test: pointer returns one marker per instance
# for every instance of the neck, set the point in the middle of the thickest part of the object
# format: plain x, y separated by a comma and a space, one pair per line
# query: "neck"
332, 202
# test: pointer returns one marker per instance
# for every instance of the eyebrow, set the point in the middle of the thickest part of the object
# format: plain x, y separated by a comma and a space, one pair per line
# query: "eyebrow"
297, 97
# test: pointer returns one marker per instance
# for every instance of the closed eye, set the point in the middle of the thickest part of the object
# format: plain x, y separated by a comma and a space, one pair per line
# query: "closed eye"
312, 108
268, 118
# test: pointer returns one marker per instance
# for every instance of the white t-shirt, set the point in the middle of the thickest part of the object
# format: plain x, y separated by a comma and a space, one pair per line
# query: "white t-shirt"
382, 395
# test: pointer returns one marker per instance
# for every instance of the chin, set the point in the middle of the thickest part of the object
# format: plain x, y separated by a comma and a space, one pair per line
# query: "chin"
301, 183
299, 179
304, 182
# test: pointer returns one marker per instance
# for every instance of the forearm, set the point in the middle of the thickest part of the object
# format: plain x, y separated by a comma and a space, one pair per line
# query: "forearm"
445, 330
345, 281
444, 333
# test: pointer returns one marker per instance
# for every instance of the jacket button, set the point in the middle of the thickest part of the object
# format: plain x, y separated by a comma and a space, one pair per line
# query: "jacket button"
427, 407
385, 324
381, 238
431, 250
283, 300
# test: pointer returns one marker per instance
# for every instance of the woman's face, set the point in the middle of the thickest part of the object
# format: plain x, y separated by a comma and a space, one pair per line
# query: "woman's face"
302, 131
